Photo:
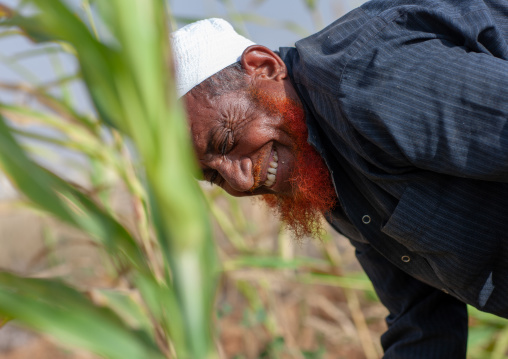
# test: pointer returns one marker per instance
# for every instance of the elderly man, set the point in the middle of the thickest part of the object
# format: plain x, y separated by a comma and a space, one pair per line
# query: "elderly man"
393, 122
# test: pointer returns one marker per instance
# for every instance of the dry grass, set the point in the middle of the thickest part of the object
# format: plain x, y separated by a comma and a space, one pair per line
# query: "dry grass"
261, 312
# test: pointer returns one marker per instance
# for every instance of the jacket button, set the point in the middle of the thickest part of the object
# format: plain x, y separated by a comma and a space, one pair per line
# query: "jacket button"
405, 259
366, 219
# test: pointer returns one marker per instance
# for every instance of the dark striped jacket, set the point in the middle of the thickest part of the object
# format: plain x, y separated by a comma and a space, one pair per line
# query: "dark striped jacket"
407, 101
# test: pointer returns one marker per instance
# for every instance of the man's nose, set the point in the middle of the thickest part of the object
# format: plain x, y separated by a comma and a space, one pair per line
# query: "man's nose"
237, 173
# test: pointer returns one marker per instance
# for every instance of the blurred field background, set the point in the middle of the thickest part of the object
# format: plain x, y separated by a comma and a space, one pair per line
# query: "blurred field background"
276, 298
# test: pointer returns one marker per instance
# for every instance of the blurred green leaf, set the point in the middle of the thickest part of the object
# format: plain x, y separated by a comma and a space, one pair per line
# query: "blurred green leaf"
311, 4
56, 196
128, 80
317, 354
5, 12
4, 319
8, 33
163, 304
500, 350
31, 28
42, 303
344, 282
273, 262
126, 307
54, 105
35, 52
57, 23
479, 337
487, 317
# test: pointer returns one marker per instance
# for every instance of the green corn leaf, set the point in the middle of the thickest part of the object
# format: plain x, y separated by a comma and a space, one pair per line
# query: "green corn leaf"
4, 320
486, 317
54, 105
5, 12
501, 346
311, 4
30, 53
57, 309
126, 307
479, 337
163, 304
272, 262
57, 23
76, 137
333, 280
8, 33
58, 197
128, 78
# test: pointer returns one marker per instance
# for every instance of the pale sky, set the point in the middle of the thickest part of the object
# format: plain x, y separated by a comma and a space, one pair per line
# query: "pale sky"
276, 12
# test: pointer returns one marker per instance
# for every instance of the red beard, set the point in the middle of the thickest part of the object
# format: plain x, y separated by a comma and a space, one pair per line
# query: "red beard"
312, 189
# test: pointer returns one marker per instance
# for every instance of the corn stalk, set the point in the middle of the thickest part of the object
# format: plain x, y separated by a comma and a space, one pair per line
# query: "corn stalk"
168, 258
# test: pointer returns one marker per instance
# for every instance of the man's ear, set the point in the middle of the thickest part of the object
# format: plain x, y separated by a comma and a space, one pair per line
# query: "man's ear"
261, 62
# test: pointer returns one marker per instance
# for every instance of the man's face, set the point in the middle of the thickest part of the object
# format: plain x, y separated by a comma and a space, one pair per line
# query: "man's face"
255, 143
240, 146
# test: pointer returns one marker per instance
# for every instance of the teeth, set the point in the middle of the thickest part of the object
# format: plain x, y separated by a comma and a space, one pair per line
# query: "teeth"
272, 171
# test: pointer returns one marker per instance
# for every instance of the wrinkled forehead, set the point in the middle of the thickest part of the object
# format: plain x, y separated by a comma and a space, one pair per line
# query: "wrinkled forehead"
198, 107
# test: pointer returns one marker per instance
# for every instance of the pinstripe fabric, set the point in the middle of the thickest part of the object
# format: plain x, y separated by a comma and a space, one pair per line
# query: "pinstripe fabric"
407, 102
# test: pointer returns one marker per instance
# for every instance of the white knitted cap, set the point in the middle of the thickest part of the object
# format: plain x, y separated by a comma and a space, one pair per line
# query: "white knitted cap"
202, 49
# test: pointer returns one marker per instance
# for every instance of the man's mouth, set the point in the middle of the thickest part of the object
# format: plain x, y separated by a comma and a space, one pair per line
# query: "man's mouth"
272, 170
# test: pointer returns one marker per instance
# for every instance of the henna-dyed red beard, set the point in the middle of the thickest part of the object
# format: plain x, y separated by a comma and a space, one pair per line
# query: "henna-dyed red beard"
312, 190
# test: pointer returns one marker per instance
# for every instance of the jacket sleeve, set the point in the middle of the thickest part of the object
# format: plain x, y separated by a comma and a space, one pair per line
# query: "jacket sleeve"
431, 102
423, 321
